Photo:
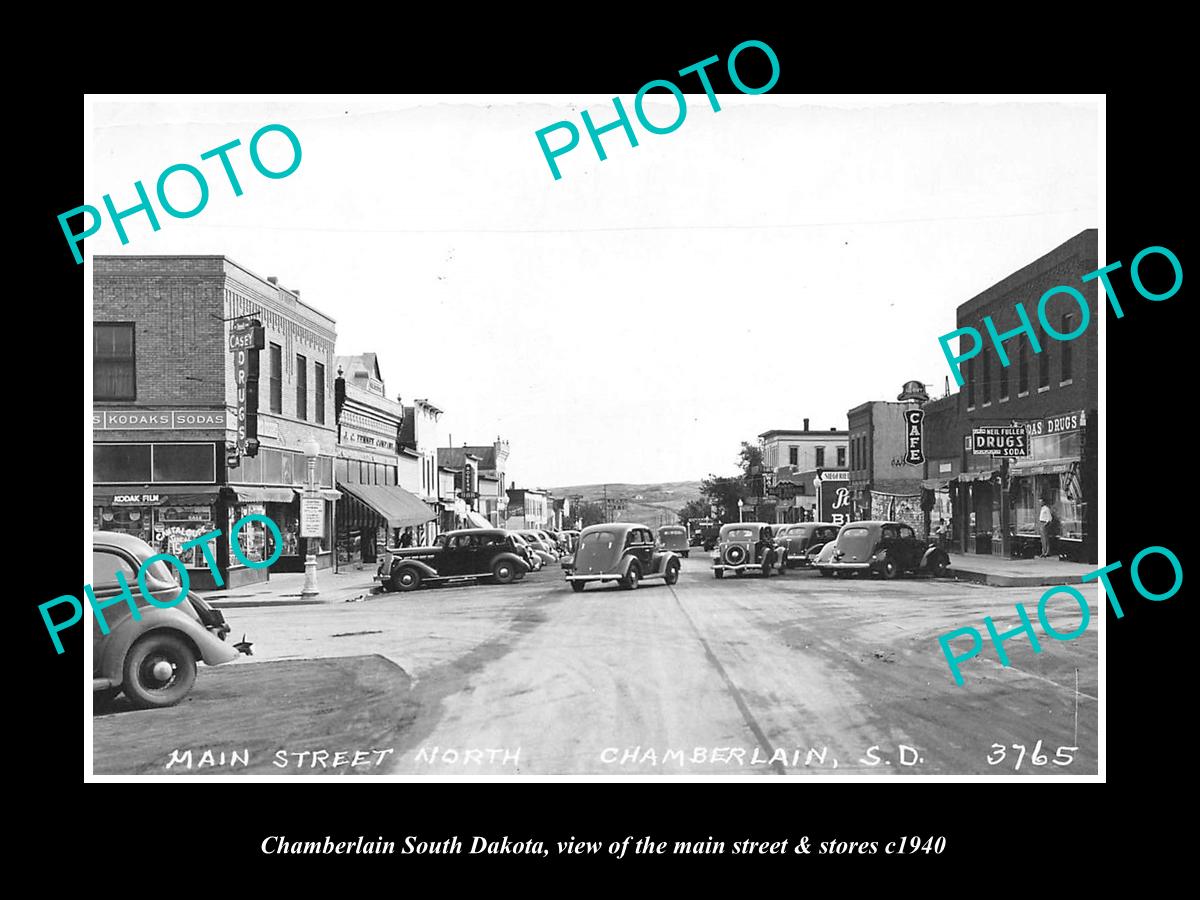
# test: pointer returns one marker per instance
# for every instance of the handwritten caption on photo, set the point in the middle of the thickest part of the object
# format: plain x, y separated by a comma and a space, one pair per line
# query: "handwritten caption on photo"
147, 207
126, 595
622, 120
1026, 626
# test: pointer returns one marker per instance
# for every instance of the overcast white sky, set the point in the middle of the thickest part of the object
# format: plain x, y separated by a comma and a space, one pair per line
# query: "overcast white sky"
637, 319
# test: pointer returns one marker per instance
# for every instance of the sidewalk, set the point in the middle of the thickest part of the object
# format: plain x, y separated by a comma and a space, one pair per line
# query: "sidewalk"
283, 589
1003, 572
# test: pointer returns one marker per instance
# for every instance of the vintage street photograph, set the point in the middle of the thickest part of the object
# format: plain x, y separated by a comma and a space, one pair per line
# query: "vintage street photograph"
492, 437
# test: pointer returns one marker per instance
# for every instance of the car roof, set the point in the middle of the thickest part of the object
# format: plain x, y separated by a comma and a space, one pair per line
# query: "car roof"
474, 531
614, 526
875, 523
671, 528
135, 546
731, 525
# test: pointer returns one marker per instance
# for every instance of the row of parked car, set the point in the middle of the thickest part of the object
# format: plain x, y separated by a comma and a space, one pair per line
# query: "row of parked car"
889, 549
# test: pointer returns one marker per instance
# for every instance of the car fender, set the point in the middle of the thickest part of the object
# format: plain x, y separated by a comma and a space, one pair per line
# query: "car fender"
426, 570
511, 558
114, 647
663, 559
932, 555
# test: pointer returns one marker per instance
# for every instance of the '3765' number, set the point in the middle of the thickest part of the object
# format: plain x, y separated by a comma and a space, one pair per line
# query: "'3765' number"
1061, 757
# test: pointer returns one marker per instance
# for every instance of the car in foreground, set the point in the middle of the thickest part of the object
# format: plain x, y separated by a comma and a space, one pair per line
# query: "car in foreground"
890, 549
747, 547
152, 659
624, 552
675, 539
470, 554
803, 540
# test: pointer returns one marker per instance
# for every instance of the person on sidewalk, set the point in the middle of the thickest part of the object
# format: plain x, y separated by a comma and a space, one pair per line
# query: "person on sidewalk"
1045, 519
406, 539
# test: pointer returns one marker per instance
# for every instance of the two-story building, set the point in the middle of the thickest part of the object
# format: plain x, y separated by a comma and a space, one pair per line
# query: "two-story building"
375, 507
420, 435
1053, 394
486, 464
165, 411
795, 456
527, 508
882, 484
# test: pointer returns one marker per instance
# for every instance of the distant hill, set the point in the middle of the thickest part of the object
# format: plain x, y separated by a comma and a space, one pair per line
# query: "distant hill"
651, 504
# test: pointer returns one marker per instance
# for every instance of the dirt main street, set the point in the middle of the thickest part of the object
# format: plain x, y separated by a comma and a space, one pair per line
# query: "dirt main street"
791, 675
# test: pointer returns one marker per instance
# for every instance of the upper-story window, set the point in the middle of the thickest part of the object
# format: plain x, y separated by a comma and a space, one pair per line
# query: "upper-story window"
820, 457
301, 387
113, 361
276, 378
1068, 325
985, 365
971, 383
793, 456
319, 392
841, 457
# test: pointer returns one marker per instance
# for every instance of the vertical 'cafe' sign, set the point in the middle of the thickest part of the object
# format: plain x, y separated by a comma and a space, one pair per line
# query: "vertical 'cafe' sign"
915, 454
246, 338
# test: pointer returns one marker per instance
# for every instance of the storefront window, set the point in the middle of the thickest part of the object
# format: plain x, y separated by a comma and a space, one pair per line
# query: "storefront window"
253, 536
176, 525
135, 520
183, 463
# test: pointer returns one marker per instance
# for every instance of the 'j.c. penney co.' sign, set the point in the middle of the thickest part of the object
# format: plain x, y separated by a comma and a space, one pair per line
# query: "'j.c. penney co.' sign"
162, 419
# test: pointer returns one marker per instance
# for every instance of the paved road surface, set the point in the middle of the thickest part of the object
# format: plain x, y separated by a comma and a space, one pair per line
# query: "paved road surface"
791, 675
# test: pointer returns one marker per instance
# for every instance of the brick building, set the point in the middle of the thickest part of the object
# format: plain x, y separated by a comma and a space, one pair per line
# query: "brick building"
164, 409
796, 456
882, 485
1052, 393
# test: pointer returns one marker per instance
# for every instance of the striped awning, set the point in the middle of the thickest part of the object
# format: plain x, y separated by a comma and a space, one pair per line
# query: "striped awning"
394, 504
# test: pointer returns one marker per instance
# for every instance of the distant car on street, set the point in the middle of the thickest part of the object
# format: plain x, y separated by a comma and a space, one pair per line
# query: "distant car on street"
152, 660
674, 537
889, 549
803, 540
470, 554
541, 544
528, 553
747, 547
623, 552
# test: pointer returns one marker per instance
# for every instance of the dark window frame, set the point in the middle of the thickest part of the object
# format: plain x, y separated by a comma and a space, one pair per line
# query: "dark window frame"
302, 387
132, 362
1023, 369
319, 392
1068, 326
1044, 369
971, 383
275, 378
985, 368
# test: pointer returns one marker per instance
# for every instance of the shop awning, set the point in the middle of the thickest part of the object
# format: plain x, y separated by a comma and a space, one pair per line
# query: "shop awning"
476, 520
964, 477
263, 494
1043, 466
149, 495
394, 503
935, 484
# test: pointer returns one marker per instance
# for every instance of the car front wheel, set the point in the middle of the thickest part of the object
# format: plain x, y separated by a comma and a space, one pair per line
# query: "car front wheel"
406, 579
672, 575
504, 572
890, 569
718, 573
159, 671
578, 586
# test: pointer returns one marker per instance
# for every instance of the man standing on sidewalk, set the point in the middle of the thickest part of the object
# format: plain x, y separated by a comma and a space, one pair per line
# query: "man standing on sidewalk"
1045, 519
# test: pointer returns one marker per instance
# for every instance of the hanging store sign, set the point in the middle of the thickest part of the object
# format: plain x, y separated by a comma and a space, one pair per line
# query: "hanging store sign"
312, 517
158, 419
246, 338
915, 453
1000, 440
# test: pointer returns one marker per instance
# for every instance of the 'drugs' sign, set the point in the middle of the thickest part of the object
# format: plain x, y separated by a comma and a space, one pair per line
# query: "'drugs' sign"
246, 338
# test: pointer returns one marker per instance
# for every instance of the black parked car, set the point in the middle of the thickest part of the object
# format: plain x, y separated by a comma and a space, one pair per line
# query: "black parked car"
883, 548
467, 555
804, 539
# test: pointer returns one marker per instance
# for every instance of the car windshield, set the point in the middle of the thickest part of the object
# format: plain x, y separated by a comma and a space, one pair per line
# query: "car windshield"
739, 534
598, 540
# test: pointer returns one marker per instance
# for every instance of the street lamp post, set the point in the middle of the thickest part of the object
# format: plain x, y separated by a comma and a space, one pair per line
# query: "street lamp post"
740, 505
312, 450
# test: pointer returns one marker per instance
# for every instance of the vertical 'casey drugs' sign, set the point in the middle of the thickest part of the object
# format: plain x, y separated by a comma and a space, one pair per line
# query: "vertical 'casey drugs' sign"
246, 338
